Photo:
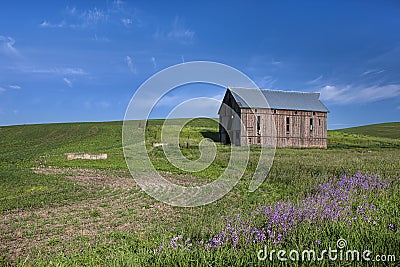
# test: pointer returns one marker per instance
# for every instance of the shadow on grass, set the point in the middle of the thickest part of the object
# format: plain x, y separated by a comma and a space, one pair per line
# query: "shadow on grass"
211, 134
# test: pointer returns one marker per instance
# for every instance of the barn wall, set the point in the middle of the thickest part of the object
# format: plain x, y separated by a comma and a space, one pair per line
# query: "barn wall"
299, 134
229, 116
250, 134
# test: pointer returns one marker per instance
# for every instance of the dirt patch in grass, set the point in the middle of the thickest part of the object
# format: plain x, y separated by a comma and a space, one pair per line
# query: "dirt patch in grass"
120, 206
114, 178
184, 179
133, 213
103, 178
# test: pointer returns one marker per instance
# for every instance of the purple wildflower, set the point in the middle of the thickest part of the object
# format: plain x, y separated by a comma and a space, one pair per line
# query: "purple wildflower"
188, 243
160, 248
330, 201
235, 238
173, 244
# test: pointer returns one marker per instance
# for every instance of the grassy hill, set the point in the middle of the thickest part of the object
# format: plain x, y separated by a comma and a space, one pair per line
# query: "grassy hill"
46, 144
385, 130
90, 212
27, 142
383, 135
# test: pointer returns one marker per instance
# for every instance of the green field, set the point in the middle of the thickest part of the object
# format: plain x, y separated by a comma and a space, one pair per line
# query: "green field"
91, 212
386, 130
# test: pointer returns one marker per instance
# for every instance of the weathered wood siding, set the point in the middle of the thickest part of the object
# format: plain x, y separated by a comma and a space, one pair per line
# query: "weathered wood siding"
257, 133
292, 128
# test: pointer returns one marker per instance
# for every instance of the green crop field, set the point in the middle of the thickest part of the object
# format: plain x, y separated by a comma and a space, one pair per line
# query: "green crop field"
91, 213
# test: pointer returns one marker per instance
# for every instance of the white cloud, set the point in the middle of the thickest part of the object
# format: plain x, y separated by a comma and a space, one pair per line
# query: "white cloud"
130, 64
14, 86
113, 14
60, 71
265, 82
153, 60
71, 10
127, 22
7, 45
68, 82
352, 94
372, 71
94, 15
316, 80
118, 4
389, 55
178, 33
276, 62
332, 93
56, 71
79, 18
46, 24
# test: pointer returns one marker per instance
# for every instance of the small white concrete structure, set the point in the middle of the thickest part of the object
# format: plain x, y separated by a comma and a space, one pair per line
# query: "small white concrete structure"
71, 156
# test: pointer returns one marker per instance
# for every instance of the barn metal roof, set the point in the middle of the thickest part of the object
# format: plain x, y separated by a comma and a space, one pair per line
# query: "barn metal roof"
278, 99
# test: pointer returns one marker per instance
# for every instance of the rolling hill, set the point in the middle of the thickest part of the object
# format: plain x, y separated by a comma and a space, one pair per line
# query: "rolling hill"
385, 130
384, 135
26, 142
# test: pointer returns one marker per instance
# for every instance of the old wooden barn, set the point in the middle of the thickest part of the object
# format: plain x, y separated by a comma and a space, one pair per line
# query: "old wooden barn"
285, 119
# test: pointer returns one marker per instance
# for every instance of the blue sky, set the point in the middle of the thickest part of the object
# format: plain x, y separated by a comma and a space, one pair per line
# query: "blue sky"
63, 61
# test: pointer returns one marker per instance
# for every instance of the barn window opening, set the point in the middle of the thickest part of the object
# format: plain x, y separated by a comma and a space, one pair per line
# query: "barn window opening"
319, 122
274, 111
287, 124
311, 124
313, 113
258, 124
255, 110
295, 112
